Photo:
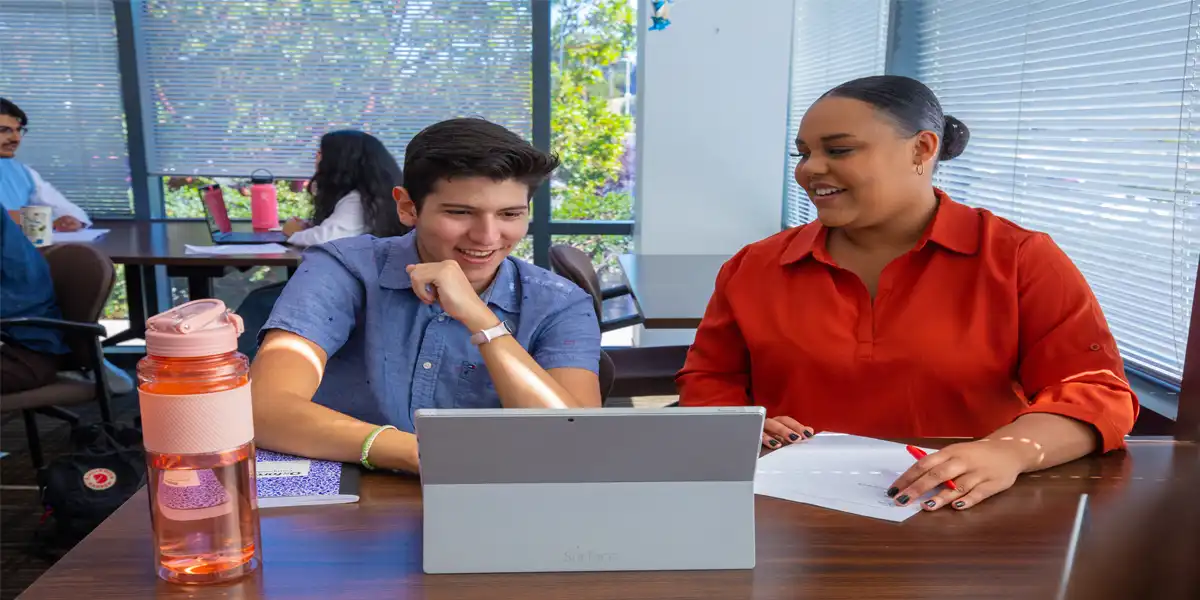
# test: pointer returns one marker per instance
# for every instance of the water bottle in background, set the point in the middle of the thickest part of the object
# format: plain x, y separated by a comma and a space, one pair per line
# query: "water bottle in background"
218, 213
198, 432
264, 206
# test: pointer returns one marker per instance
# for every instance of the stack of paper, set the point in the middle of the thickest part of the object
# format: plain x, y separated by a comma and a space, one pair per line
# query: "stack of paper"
843, 472
236, 249
81, 236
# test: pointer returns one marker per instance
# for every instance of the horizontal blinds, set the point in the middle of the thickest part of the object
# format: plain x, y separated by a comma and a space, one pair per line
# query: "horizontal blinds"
832, 42
238, 86
1081, 127
58, 62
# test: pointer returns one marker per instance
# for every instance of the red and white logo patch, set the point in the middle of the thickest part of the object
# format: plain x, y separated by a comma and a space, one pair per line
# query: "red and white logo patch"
99, 479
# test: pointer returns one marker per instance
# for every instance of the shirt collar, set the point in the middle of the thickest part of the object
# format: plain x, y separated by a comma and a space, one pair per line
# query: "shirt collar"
402, 251
955, 227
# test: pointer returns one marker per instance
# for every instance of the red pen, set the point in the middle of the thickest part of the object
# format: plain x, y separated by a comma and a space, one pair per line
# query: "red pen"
919, 454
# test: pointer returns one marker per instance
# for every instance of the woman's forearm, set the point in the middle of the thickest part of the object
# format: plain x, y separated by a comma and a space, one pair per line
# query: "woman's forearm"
1047, 440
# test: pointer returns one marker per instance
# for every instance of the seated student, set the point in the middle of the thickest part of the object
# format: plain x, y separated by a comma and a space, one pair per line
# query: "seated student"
29, 356
21, 186
902, 313
371, 329
351, 191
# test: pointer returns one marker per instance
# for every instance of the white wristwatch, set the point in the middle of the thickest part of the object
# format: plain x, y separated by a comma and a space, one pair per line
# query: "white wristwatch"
490, 334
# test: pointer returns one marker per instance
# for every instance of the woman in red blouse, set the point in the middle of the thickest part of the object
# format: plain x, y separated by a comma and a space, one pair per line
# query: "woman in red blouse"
902, 313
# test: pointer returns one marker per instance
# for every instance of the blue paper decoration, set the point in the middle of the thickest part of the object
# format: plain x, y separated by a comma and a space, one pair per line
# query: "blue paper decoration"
658, 16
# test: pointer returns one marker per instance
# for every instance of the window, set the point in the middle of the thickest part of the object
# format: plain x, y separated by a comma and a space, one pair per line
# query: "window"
832, 43
236, 86
58, 62
1082, 126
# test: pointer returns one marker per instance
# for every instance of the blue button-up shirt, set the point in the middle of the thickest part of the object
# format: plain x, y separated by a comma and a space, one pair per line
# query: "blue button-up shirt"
391, 354
26, 290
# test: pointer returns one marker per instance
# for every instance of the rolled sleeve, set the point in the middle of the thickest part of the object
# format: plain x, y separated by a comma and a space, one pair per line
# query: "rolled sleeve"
1069, 362
322, 302
570, 336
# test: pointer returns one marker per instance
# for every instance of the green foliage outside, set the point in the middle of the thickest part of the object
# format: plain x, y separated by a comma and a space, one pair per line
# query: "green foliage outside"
593, 140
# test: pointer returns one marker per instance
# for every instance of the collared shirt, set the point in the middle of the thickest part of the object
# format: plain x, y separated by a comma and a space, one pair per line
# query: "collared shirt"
390, 354
26, 290
21, 186
981, 322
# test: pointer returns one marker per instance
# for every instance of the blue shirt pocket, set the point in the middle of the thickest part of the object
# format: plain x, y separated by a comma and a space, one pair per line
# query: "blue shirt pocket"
475, 387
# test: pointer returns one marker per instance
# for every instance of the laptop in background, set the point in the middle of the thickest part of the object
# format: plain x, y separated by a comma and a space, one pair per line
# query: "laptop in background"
219, 228
607, 489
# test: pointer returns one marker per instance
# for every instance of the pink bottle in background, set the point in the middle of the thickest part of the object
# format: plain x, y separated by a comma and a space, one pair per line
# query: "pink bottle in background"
264, 206
214, 200
198, 431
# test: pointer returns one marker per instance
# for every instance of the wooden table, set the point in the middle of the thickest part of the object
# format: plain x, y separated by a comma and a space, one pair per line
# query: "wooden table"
1012, 546
143, 245
672, 291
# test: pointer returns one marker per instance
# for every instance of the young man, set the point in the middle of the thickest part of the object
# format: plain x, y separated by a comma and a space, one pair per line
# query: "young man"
21, 186
371, 329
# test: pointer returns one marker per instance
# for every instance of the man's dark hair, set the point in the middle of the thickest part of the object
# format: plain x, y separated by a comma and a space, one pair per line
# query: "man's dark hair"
10, 109
471, 147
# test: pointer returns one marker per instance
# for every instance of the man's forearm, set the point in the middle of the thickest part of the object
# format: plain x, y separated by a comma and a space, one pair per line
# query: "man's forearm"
519, 380
301, 427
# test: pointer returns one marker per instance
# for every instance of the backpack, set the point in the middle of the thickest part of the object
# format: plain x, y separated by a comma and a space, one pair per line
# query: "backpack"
83, 488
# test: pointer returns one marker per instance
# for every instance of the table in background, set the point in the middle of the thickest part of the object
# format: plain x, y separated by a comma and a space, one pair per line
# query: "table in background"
1012, 546
143, 245
672, 291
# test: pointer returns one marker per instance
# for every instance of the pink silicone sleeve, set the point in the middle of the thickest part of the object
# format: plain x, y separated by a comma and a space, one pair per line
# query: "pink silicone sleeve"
197, 424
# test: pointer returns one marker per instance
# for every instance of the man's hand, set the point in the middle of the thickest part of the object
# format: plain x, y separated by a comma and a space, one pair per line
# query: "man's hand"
67, 223
294, 225
445, 283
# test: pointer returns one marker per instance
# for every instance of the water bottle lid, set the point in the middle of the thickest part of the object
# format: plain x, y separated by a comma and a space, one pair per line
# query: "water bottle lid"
255, 178
197, 328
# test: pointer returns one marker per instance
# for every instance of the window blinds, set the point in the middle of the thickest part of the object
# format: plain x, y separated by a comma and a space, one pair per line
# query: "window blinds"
58, 62
832, 43
237, 86
1082, 125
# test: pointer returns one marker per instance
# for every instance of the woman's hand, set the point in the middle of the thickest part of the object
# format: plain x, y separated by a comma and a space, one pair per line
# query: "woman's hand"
781, 431
978, 469
294, 225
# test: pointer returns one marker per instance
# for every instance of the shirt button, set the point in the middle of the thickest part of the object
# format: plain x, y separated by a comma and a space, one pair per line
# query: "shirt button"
427, 365
441, 318
1094, 347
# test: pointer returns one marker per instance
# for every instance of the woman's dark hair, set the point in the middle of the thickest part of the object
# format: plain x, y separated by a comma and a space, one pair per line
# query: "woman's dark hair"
353, 161
10, 109
911, 105
472, 147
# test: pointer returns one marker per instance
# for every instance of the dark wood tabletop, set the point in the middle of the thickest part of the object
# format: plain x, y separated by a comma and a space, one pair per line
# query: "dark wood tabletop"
162, 243
672, 291
1011, 546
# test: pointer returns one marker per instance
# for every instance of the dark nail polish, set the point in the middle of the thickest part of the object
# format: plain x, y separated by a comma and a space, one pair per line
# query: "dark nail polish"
793, 437
892, 491
959, 504
772, 443
902, 499
931, 503
807, 433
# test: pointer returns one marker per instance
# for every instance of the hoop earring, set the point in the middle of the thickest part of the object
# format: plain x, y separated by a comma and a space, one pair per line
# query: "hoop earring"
920, 169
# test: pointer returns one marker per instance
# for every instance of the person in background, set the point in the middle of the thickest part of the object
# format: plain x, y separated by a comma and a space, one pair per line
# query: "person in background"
901, 313
371, 329
20, 185
351, 191
29, 356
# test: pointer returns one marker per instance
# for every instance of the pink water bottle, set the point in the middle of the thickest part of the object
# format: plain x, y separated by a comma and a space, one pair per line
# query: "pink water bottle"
264, 206
214, 203
198, 432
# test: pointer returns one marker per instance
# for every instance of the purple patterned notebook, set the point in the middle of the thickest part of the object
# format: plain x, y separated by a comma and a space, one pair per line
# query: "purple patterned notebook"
285, 480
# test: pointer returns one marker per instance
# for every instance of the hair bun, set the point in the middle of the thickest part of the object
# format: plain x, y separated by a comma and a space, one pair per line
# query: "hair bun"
954, 138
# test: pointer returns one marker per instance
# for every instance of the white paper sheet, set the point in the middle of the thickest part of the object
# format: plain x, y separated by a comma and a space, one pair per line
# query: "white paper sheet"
227, 249
81, 236
842, 472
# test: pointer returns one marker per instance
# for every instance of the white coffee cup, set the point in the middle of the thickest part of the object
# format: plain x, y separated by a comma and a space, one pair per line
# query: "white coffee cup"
38, 225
